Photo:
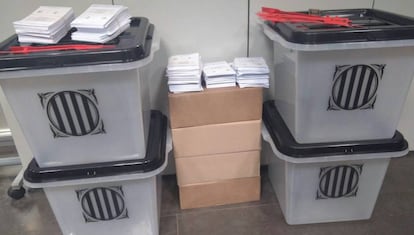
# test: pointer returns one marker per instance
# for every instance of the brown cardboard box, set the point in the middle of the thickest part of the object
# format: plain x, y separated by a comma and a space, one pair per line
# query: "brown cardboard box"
218, 138
220, 192
213, 106
201, 169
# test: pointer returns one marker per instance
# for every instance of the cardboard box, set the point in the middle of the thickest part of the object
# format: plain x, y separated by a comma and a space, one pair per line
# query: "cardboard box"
217, 139
220, 192
201, 169
213, 106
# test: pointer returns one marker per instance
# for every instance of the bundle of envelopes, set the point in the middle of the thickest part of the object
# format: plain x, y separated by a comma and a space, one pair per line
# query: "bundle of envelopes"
46, 25
251, 72
101, 23
219, 74
184, 73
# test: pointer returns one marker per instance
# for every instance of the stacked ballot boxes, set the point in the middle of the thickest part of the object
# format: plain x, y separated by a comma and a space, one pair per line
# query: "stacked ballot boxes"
338, 99
325, 182
216, 139
98, 148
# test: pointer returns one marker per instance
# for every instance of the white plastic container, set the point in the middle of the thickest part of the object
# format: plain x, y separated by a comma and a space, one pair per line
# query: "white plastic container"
343, 83
124, 200
77, 107
316, 187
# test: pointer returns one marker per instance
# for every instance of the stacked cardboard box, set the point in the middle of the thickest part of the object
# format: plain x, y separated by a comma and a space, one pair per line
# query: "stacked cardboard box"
216, 137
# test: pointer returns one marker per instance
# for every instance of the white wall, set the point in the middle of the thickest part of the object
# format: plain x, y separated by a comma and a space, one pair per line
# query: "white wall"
406, 126
216, 29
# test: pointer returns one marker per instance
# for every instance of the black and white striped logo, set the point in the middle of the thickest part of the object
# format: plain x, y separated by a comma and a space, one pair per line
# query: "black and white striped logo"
339, 181
72, 113
355, 86
102, 203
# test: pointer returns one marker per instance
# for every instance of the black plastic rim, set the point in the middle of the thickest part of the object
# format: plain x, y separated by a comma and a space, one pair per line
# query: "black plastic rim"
371, 25
286, 144
154, 158
132, 45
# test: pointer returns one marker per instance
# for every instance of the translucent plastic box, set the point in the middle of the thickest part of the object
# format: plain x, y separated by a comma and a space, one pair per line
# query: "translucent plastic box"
83, 106
118, 198
336, 83
317, 183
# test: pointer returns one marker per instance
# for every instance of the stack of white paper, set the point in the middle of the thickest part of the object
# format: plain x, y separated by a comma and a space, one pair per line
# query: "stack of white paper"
184, 73
45, 25
219, 74
101, 23
251, 72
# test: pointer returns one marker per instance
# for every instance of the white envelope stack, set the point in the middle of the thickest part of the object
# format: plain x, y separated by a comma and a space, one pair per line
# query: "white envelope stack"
184, 73
251, 72
101, 23
46, 25
219, 74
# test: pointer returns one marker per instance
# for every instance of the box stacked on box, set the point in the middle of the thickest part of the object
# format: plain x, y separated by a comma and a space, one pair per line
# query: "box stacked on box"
331, 128
98, 150
216, 138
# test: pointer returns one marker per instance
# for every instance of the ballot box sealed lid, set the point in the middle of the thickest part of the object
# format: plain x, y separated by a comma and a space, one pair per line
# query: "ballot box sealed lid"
287, 145
132, 45
367, 25
153, 163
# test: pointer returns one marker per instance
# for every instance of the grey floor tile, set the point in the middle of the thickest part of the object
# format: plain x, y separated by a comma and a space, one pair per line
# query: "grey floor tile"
30, 215
340, 228
399, 177
394, 225
249, 220
394, 204
264, 219
170, 201
168, 225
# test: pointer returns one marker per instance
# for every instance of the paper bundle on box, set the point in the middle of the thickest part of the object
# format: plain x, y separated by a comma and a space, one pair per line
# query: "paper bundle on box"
101, 23
184, 73
46, 25
219, 74
251, 72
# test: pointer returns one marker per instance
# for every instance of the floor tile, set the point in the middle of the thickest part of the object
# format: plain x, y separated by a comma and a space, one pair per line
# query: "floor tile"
170, 201
394, 204
245, 220
399, 175
30, 215
393, 225
168, 225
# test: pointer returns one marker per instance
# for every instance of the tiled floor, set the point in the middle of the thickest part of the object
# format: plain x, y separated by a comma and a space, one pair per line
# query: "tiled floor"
393, 214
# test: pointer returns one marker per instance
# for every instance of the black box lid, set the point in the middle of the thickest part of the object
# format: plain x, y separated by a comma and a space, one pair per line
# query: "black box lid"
154, 158
286, 144
370, 25
132, 45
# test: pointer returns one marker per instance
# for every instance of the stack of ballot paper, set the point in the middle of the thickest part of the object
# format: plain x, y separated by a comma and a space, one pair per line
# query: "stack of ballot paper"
219, 74
251, 72
46, 25
101, 23
184, 73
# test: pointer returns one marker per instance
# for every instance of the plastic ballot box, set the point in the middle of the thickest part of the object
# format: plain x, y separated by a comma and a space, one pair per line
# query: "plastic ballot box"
81, 103
336, 83
121, 197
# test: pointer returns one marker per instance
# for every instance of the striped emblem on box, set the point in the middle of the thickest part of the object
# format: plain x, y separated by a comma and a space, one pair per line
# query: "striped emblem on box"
339, 181
72, 113
355, 86
102, 203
